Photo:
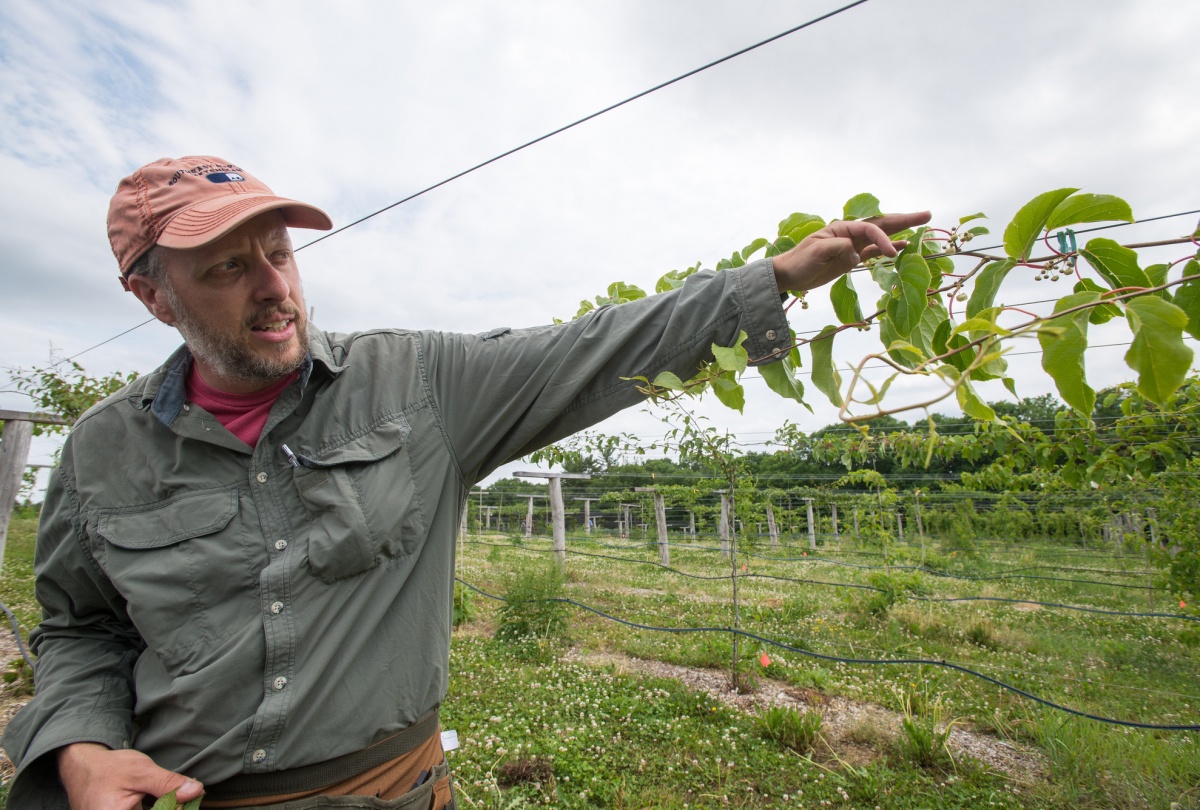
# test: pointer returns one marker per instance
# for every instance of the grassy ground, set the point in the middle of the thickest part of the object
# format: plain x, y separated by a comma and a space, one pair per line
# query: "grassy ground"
1130, 668
540, 725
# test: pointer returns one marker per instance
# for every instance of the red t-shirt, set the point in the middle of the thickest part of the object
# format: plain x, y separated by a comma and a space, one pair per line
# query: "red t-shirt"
244, 415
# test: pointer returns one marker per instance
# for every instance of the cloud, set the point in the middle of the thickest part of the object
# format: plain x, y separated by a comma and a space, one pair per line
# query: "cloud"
953, 106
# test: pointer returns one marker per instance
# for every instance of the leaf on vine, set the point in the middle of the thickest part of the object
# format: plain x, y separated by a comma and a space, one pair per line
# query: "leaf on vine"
933, 316
906, 348
878, 394
781, 378
1187, 298
1010, 384
1158, 353
969, 217
861, 206
885, 275
911, 301
824, 374
1081, 208
1116, 264
755, 246
845, 300
987, 284
1062, 352
674, 279
729, 392
798, 220
1102, 313
981, 325
169, 802
584, 308
669, 381
1025, 228
888, 336
732, 358
1157, 273
972, 405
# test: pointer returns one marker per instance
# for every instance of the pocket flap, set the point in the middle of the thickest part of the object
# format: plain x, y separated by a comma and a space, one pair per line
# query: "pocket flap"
182, 518
372, 445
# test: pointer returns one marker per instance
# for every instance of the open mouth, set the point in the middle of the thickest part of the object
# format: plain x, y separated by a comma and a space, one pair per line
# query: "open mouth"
277, 325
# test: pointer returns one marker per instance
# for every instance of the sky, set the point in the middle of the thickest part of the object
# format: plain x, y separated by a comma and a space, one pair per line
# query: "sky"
955, 106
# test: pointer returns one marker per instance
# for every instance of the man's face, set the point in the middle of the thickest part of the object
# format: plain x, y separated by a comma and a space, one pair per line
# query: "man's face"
239, 305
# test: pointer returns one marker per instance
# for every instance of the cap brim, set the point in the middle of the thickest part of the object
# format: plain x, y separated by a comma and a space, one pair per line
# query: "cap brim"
207, 222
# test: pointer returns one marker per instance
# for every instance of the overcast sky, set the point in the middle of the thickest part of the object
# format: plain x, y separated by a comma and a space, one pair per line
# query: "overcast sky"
957, 106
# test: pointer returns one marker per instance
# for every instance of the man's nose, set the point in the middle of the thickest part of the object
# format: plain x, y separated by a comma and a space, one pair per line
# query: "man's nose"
271, 283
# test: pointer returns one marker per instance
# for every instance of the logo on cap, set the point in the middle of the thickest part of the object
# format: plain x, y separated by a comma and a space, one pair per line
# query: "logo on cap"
225, 177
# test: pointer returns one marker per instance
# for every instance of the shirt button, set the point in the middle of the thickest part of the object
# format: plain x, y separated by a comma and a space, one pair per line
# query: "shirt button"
280, 682
262, 478
277, 607
280, 545
187, 408
770, 334
258, 756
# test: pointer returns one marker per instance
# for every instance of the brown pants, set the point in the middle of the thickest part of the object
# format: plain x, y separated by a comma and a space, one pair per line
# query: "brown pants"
393, 784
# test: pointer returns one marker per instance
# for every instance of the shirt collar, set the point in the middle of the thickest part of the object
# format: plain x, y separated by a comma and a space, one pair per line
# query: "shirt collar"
171, 394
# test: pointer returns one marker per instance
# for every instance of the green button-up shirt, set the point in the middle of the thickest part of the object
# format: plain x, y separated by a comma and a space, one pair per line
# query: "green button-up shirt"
227, 611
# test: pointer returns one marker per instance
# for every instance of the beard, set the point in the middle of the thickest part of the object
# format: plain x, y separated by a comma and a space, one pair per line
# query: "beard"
231, 355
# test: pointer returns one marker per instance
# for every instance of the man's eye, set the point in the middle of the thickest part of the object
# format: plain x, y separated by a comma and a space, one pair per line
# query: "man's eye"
281, 256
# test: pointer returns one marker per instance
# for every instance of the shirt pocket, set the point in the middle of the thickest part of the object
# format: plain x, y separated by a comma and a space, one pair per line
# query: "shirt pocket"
183, 569
363, 499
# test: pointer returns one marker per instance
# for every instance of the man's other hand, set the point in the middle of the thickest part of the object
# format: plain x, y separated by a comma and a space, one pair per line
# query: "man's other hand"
99, 778
823, 256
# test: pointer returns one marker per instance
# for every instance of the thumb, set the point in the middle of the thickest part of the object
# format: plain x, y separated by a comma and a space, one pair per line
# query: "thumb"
155, 781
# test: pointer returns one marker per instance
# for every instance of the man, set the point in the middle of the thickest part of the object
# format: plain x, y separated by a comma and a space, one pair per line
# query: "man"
245, 559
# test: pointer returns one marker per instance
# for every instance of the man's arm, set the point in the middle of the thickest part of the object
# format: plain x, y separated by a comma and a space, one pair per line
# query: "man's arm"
76, 732
506, 393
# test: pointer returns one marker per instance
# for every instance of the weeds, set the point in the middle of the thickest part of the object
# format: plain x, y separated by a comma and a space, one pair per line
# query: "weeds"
789, 727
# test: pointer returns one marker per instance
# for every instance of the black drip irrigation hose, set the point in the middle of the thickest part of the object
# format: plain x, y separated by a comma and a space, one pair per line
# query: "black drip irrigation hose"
868, 661
748, 575
16, 628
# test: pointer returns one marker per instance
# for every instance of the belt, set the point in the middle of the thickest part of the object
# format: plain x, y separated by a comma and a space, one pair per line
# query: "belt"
329, 772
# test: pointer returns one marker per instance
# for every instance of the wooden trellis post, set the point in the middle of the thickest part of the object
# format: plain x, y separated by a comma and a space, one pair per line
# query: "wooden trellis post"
724, 529
857, 540
772, 529
557, 510
812, 526
587, 513
660, 520
14, 457
837, 537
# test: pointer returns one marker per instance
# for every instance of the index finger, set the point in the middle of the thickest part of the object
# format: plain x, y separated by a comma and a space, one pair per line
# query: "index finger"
894, 223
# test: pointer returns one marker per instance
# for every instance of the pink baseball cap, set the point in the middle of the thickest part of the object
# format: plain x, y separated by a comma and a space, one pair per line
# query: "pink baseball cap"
191, 202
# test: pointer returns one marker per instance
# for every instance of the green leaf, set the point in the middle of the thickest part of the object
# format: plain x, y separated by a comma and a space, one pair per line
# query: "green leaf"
824, 374
1103, 313
754, 247
1011, 385
911, 301
969, 217
584, 308
797, 220
981, 325
1187, 298
729, 393
674, 279
861, 206
1062, 352
668, 380
732, 358
987, 284
922, 337
781, 378
888, 336
845, 300
1116, 264
1030, 221
1089, 208
1157, 273
972, 405
1158, 353
978, 230
169, 802
885, 275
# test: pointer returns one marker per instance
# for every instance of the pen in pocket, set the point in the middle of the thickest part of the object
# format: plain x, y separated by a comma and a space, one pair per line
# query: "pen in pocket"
291, 457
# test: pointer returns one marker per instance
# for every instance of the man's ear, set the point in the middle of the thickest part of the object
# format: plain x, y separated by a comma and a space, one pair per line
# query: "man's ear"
151, 294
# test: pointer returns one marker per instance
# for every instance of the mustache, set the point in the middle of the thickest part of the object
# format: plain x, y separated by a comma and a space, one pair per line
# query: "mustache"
274, 311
